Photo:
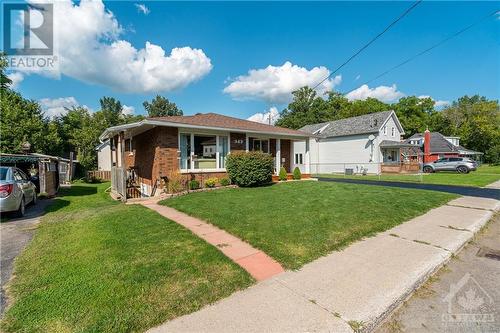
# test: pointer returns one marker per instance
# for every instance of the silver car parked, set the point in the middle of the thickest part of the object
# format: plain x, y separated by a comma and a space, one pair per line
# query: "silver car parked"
458, 164
16, 191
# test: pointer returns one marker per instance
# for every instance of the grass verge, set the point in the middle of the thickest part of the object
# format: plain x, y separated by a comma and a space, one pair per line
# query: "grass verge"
298, 222
96, 265
483, 176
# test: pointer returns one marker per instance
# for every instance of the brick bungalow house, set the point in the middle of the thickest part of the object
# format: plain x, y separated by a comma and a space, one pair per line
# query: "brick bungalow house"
144, 152
435, 146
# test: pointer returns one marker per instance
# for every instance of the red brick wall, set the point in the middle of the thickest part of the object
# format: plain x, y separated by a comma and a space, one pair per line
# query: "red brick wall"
155, 154
201, 177
435, 157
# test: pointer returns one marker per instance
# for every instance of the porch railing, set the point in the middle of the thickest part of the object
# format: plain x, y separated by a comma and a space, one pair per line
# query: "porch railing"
99, 174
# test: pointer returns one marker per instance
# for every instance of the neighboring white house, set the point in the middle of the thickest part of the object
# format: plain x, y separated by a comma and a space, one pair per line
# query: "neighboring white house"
103, 156
358, 143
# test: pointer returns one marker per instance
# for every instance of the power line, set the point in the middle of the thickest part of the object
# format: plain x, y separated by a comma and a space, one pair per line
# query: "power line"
371, 41
459, 32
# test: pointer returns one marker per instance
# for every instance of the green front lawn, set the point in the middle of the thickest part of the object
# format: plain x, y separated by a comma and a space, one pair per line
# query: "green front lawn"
483, 176
298, 222
96, 265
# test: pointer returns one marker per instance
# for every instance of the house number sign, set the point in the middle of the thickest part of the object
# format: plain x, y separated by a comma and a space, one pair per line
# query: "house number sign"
238, 141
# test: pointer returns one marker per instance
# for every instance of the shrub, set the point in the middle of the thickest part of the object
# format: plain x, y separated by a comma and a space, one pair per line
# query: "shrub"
282, 174
194, 184
296, 174
493, 154
224, 182
249, 168
210, 182
174, 182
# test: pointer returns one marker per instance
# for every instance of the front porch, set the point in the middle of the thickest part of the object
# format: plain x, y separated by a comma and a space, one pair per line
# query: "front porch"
400, 157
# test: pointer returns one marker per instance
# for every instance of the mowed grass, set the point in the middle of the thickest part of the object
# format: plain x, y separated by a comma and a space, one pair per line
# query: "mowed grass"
298, 222
483, 176
96, 265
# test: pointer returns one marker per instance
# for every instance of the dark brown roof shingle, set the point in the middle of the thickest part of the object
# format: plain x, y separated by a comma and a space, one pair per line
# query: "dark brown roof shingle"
220, 121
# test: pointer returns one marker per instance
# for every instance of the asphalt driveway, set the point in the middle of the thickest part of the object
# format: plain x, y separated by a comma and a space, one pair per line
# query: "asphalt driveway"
15, 234
491, 193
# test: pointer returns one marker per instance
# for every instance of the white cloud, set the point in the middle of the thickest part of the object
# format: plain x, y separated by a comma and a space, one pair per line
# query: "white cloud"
382, 93
440, 103
56, 107
357, 77
16, 78
275, 84
264, 117
90, 50
128, 109
141, 8
437, 103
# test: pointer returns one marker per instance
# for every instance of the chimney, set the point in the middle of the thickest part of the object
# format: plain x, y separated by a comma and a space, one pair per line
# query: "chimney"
427, 146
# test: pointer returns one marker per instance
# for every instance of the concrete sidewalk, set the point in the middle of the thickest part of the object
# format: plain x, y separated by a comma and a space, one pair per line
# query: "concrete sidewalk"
349, 290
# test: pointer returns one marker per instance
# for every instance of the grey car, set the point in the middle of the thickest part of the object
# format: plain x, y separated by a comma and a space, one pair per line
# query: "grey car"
16, 191
458, 164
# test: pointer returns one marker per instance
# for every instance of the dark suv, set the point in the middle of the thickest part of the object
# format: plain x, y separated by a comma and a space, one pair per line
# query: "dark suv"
458, 164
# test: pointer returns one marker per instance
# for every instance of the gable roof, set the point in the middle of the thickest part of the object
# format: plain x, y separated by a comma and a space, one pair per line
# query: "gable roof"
439, 144
102, 145
365, 124
212, 121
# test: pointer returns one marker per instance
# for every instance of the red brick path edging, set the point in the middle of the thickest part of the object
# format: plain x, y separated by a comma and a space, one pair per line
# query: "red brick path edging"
258, 264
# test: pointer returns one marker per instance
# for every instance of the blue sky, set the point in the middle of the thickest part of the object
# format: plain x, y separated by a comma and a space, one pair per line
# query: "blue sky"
235, 37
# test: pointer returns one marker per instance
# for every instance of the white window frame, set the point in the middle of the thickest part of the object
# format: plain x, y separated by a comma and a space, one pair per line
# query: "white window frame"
385, 129
393, 131
260, 139
217, 152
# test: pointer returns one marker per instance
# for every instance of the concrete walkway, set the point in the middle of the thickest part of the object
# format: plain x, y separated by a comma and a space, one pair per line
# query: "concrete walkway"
495, 185
489, 191
255, 262
353, 289
437, 306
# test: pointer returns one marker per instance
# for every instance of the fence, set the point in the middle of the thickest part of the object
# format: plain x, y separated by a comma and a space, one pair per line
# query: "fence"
119, 182
396, 171
99, 174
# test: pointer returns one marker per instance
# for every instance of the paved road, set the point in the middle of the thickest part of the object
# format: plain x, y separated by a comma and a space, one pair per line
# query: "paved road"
491, 193
15, 234
477, 293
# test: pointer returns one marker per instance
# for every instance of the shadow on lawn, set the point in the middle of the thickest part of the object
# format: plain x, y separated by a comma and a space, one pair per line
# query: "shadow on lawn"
78, 191
57, 204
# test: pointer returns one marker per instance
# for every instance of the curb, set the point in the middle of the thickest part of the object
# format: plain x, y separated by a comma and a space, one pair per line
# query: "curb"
377, 322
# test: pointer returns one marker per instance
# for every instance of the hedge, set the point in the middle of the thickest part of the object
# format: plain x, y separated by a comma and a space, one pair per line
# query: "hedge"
249, 168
